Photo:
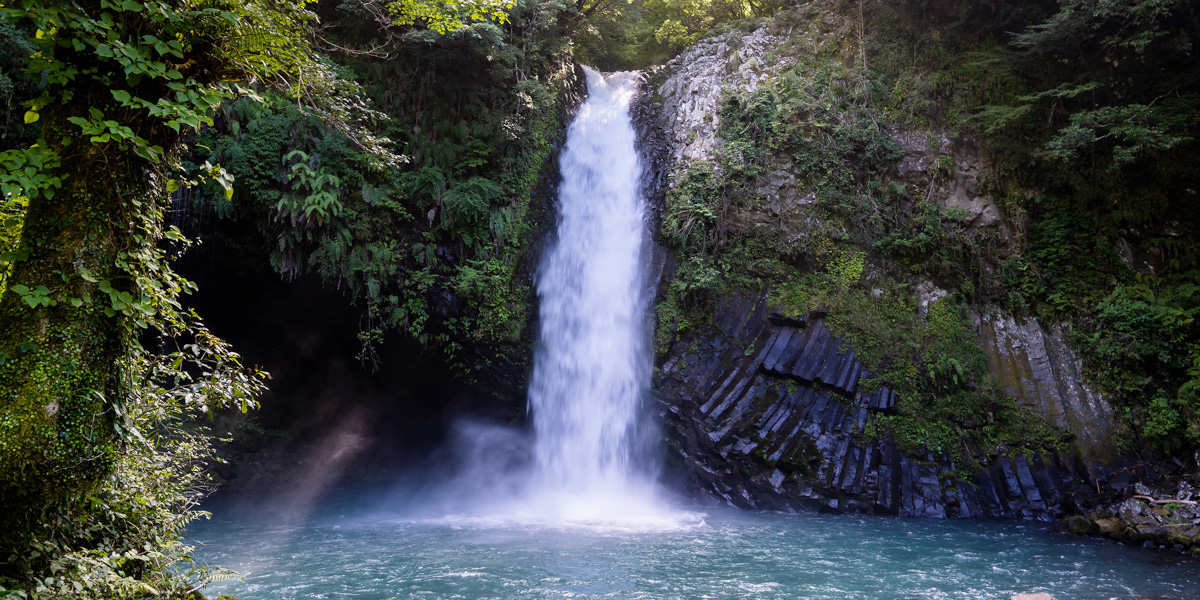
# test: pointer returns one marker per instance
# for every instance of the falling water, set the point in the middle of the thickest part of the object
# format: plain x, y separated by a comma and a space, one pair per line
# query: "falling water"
593, 364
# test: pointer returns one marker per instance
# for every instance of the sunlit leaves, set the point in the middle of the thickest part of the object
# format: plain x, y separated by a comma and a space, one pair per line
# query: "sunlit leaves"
315, 198
29, 173
1135, 130
444, 16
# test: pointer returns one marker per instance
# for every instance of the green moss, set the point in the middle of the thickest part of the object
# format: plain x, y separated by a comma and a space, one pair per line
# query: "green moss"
766, 400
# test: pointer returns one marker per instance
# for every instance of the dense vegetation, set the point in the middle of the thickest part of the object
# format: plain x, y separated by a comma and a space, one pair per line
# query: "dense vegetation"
395, 150
860, 257
102, 370
1088, 116
434, 248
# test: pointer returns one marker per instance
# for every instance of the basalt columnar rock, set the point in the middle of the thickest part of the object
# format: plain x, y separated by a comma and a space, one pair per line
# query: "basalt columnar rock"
1035, 365
773, 410
766, 410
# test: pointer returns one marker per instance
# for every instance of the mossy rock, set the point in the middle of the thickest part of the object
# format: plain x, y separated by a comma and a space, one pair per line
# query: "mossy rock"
1182, 539
1082, 525
1108, 526
199, 596
1126, 534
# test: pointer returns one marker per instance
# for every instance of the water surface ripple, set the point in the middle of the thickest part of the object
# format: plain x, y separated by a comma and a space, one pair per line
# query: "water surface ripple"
342, 550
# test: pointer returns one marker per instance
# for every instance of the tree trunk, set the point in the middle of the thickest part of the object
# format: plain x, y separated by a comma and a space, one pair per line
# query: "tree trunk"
60, 379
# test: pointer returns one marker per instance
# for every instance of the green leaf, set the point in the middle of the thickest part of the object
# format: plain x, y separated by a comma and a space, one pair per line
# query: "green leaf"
31, 117
121, 95
19, 289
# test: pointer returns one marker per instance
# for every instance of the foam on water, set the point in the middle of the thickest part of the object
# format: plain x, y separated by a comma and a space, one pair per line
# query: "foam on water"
590, 462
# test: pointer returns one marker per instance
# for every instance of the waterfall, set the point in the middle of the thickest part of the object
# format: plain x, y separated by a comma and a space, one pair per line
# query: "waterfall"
593, 364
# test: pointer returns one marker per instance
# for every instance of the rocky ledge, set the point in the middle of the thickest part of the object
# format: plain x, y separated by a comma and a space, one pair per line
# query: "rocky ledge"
1151, 518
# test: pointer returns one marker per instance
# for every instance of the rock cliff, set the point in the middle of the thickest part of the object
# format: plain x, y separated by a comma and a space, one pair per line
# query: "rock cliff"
767, 408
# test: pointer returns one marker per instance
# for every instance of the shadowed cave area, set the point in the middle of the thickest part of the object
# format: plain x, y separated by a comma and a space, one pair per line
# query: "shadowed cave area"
328, 418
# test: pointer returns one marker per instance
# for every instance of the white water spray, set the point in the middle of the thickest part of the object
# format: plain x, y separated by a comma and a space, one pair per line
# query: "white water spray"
593, 463
593, 364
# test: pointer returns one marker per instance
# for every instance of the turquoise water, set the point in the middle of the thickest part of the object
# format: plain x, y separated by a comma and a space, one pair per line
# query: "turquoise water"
350, 547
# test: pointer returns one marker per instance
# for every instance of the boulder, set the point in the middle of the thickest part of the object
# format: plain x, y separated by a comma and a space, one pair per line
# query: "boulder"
1109, 525
1082, 525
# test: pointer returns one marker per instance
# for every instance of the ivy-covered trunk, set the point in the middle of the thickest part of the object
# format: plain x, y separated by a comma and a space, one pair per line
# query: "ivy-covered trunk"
122, 82
62, 332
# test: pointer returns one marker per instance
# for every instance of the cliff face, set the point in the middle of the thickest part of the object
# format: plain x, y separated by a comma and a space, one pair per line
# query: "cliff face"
1037, 367
772, 407
773, 411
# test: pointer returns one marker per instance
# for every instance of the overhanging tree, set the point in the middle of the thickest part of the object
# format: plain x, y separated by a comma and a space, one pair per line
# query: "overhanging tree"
95, 468
125, 83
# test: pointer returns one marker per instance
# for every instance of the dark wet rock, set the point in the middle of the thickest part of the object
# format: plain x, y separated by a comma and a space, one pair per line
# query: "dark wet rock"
766, 411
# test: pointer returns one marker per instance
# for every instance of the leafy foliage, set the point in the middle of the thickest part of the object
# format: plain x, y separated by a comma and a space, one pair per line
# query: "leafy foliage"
671, 25
431, 249
631, 34
1143, 346
444, 16
12, 213
1091, 116
100, 367
123, 539
16, 86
